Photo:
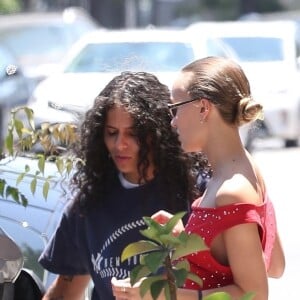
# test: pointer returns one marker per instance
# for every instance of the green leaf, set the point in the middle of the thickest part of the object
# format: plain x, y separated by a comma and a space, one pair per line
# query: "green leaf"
173, 221
41, 163
195, 278
138, 273
24, 200
33, 185
69, 166
146, 284
218, 296
2, 186
162, 233
9, 143
183, 237
46, 187
29, 114
182, 264
20, 178
19, 126
194, 243
180, 276
155, 259
137, 248
169, 240
155, 226
156, 288
12, 192
167, 292
60, 165
152, 234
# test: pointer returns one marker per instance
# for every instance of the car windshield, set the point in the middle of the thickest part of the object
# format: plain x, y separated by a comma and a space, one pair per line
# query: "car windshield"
150, 56
256, 49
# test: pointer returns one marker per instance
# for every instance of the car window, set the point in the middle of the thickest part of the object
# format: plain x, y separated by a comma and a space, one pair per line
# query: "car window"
255, 49
33, 43
152, 56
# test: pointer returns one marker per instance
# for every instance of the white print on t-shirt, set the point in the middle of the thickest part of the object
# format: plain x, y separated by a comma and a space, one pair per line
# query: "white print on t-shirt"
111, 266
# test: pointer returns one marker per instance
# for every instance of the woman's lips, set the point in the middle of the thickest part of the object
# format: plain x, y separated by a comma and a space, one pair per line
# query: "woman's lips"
122, 158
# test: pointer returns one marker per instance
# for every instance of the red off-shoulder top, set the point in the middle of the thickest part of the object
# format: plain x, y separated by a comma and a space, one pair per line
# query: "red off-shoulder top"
209, 222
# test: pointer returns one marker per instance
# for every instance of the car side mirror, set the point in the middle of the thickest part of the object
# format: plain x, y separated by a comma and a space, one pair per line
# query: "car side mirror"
11, 258
11, 263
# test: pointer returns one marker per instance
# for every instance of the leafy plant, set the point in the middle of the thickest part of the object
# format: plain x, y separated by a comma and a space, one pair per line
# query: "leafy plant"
51, 141
163, 249
163, 266
9, 191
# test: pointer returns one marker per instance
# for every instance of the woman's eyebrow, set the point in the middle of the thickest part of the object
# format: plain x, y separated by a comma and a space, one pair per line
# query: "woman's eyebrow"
113, 127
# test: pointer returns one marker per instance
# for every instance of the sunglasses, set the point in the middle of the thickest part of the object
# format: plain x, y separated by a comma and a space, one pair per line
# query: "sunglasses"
173, 106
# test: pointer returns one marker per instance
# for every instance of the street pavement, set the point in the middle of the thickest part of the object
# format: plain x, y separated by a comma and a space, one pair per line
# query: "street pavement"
281, 170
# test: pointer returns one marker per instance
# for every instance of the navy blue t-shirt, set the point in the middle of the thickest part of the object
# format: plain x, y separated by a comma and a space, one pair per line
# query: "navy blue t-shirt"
92, 244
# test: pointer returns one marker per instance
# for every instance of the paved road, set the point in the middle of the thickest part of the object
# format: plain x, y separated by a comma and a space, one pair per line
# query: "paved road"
281, 169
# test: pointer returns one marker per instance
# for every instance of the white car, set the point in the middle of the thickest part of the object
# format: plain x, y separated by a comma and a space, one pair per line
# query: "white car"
101, 55
269, 55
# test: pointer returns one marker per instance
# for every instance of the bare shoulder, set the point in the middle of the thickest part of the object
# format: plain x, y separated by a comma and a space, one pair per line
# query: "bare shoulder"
238, 189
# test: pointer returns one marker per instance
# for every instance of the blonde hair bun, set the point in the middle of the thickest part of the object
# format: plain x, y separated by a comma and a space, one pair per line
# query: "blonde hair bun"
249, 110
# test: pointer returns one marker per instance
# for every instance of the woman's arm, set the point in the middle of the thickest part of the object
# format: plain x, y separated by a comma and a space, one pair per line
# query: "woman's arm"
246, 260
67, 288
277, 263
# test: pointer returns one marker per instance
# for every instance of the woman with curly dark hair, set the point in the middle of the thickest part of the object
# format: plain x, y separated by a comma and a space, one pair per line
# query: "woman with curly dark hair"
133, 165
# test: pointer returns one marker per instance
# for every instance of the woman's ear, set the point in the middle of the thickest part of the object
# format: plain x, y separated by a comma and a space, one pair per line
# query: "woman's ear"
204, 107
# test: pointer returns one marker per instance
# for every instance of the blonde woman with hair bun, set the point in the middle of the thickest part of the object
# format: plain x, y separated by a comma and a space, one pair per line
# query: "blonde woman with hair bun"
211, 98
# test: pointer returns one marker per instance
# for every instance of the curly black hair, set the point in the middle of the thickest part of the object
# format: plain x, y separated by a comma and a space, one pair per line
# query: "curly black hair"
145, 98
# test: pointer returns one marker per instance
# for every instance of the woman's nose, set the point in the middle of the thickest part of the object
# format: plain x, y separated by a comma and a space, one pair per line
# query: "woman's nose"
121, 142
